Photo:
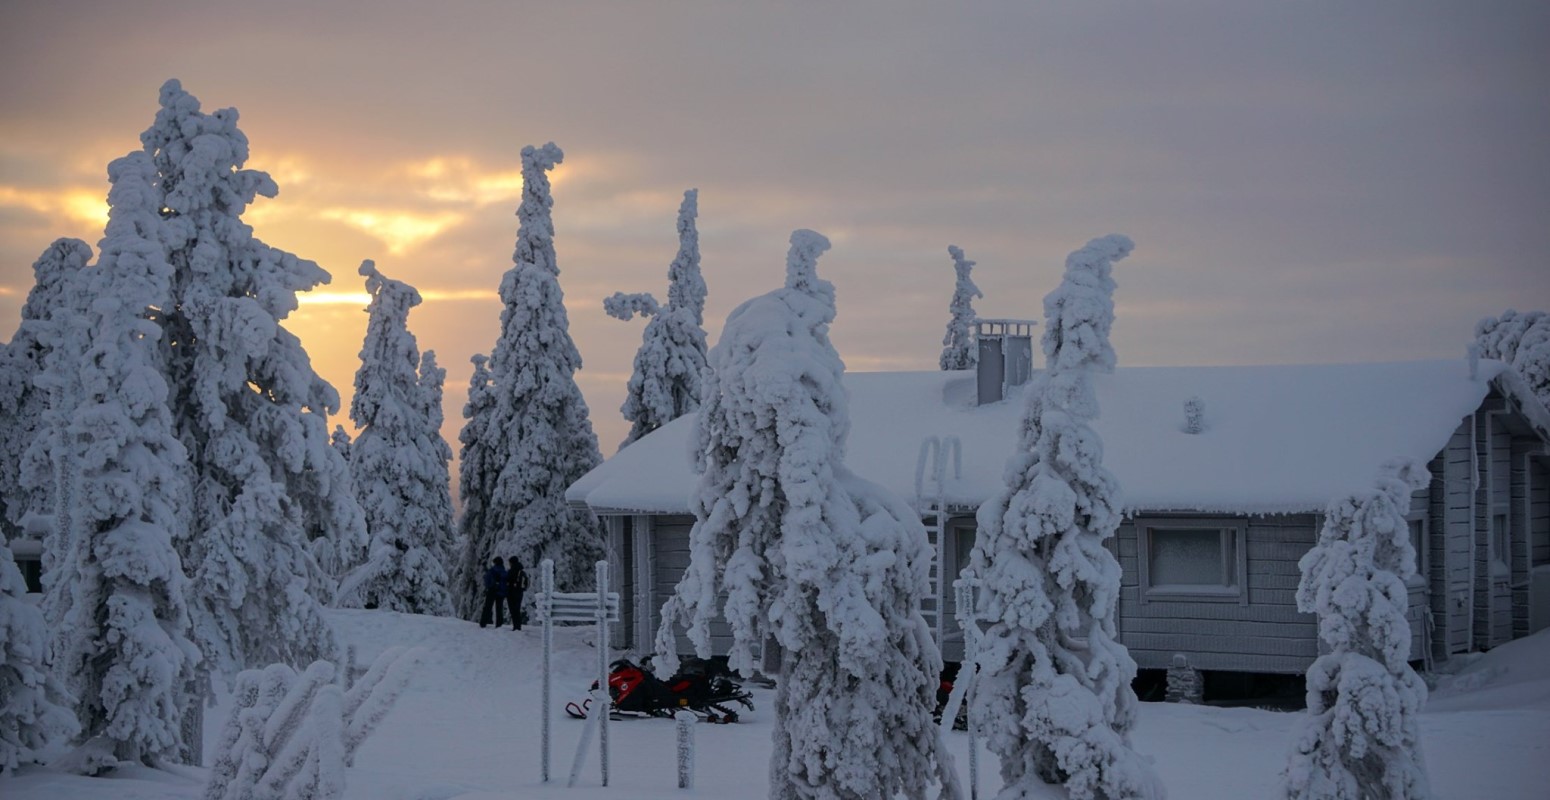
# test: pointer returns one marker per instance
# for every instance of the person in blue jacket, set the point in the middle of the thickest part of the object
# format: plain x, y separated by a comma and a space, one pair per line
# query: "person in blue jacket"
494, 593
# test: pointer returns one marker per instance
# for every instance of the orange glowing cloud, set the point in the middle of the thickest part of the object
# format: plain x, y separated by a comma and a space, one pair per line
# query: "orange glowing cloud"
399, 229
363, 299
87, 207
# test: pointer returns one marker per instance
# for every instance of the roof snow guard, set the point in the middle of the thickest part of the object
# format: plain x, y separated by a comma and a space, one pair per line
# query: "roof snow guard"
1005, 356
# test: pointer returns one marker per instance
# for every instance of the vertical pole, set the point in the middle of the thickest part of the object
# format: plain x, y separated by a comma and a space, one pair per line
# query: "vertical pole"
685, 721
597, 707
968, 621
546, 609
606, 699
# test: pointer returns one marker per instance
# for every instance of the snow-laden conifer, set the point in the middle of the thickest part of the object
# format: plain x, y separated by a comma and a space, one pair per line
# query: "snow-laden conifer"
398, 462
1523, 342
1362, 739
22, 403
478, 467
1054, 694
35, 709
125, 645
248, 406
959, 349
666, 382
827, 564
545, 440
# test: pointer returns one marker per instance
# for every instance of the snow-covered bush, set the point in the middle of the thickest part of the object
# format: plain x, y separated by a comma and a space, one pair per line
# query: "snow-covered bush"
537, 438
827, 564
666, 382
399, 462
248, 406
959, 347
34, 706
123, 640
293, 734
1361, 740
1522, 341
1054, 692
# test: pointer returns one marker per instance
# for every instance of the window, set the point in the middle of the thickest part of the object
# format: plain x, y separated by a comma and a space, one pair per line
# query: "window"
1499, 539
1193, 559
32, 572
964, 541
1418, 540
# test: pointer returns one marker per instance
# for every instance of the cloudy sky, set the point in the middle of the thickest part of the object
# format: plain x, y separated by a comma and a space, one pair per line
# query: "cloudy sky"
1306, 182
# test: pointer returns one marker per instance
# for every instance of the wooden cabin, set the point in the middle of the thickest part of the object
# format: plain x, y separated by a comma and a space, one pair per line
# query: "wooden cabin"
1215, 521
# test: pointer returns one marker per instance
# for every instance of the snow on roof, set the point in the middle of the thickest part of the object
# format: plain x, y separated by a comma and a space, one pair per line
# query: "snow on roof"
1277, 439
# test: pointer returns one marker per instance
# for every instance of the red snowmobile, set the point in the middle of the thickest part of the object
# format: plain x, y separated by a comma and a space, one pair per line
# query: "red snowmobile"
701, 687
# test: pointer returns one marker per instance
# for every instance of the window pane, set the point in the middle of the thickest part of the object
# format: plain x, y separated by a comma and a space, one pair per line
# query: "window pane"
1416, 541
1499, 538
1191, 557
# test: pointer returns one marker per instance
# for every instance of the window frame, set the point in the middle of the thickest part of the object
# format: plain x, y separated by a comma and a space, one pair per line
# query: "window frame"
1235, 529
1501, 552
1423, 556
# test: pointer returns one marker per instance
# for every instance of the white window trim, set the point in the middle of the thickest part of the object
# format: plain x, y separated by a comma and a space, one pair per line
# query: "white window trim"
1236, 528
1423, 557
1500, 562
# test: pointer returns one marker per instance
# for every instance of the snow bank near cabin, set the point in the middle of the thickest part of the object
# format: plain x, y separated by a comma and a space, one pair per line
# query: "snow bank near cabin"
467, 728
1277, 439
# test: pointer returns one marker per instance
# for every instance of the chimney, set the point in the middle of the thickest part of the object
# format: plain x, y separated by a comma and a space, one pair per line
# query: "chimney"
1005, 356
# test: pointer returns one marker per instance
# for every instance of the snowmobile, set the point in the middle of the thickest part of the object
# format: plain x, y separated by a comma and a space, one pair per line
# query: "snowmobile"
701, 687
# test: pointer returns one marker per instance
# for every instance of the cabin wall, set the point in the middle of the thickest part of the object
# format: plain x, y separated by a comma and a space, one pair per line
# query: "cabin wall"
1520, 516
1459, 536
1493, 506
670, 553
1539, 510
1265, 634
1420, 613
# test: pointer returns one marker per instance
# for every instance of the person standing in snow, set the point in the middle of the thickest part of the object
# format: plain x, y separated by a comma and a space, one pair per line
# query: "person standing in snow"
494, 592
516, 583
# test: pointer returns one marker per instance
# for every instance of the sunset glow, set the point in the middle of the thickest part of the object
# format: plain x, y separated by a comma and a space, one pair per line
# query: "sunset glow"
1370, 204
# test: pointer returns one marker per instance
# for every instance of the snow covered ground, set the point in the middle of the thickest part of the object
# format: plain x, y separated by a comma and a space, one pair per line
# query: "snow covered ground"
468, 727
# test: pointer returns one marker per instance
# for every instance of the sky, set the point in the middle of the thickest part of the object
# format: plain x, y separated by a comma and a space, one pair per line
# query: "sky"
1305, 182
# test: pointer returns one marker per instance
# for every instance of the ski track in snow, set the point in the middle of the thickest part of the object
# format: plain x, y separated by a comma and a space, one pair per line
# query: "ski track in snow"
467, 727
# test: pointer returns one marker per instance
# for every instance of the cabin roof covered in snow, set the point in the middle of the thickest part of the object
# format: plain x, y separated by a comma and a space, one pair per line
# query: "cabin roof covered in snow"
1277, 439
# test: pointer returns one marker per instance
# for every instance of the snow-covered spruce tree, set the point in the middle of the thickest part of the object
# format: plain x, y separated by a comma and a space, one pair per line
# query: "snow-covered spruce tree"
1054, 694
127, 653
478, 468
959, 350
1523, 342
828, 564
1362, 738
432, 385
545, 439
336, 523
248, 406
398, 464
22, 404
666, 382
49, 470
35, 709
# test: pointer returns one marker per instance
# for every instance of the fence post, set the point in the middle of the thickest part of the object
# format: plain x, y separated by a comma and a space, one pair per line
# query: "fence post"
545, 609
685, 721
606, 698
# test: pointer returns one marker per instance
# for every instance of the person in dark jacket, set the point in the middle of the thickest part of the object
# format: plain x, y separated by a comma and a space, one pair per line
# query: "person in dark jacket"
516, 584
494, 592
